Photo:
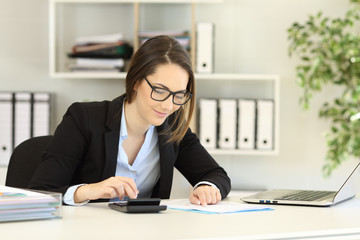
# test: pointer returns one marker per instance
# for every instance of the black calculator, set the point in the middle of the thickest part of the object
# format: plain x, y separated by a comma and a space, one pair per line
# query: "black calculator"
140, 205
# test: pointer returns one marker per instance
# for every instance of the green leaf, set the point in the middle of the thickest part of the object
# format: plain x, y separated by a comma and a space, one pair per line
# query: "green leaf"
334, 129
345, 127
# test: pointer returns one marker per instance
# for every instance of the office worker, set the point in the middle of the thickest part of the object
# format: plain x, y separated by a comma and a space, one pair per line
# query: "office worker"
129, 146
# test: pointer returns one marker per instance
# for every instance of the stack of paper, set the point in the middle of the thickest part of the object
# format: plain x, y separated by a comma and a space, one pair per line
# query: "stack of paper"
18, 204
100, 53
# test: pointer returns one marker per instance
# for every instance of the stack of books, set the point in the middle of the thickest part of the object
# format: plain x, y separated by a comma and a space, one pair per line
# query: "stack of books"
105, 53
183, 37
19, 204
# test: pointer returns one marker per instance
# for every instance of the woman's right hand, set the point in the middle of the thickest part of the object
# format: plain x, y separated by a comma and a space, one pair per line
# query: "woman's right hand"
109, 188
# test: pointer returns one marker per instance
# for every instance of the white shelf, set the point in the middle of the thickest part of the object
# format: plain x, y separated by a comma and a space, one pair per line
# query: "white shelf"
136, 1
238, 152
89, 75
198, 76
235, 76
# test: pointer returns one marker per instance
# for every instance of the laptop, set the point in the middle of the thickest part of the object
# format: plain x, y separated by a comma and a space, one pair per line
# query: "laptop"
307, 197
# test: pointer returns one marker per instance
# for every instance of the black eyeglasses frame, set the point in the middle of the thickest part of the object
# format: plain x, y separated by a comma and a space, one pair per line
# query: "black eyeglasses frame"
170, 93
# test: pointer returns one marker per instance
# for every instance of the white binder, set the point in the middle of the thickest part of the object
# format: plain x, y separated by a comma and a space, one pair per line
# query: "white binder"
208, 122
204, 47
6, 118
41, 114
22, 130
227, 123
265, 125
246, 123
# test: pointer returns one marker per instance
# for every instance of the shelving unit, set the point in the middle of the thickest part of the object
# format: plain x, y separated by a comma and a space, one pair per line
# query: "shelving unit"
252, 86
69, 19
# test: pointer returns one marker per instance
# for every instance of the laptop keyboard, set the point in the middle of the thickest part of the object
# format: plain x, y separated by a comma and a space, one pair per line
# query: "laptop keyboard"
305, 195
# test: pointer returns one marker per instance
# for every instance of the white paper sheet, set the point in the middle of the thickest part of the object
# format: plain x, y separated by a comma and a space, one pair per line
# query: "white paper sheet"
220, 208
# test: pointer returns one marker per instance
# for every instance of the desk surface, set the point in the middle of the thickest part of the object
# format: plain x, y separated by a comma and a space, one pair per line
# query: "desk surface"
97, 221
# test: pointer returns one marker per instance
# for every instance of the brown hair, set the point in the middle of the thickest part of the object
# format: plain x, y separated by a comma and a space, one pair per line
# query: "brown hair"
154, 52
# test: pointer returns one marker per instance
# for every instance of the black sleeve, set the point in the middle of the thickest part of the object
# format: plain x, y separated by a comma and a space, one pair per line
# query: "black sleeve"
197, 165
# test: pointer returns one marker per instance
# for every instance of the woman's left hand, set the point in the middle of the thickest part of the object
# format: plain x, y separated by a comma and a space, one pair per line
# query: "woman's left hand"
204, 195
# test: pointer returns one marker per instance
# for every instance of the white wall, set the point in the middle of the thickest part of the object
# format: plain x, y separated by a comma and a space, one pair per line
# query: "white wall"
250, 38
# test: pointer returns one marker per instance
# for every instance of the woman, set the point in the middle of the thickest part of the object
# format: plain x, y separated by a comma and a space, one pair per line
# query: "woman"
128, 147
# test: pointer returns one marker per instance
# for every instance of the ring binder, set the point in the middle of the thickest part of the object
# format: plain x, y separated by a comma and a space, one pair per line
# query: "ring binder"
208, 122
265, 125
6, 122
227, 123
246, 123
205, 47
41, 114
22, 119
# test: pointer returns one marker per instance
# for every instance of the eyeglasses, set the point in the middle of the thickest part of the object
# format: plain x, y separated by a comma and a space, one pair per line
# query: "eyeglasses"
161, 94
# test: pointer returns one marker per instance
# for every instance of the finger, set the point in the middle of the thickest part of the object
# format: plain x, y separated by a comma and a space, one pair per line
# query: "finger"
120, 192
207, 191
129, 191
194, 199
113, 193
130, 182
218, 196
202, 197
213, 195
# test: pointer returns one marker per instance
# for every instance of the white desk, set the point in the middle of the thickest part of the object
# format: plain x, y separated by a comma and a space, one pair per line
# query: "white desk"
97, 221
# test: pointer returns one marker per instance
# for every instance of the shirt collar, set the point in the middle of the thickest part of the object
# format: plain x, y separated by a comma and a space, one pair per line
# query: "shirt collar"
123, 128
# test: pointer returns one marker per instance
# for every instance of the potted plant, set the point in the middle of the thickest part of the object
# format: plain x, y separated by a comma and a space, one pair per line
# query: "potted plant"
329, 50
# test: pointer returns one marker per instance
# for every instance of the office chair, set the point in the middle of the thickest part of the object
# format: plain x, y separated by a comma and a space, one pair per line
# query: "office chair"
24, 160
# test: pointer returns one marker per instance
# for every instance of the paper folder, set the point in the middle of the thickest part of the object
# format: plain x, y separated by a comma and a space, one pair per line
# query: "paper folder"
22, 121
6, 113
41, 114
265, 125
227, 123
246, 123
208, 122
204, 47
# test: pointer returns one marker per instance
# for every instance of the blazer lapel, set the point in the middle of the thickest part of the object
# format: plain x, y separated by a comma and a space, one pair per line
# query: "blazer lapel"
167, 162
112, 137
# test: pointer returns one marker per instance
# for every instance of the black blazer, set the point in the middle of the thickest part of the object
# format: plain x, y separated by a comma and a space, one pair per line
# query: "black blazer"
85, 146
